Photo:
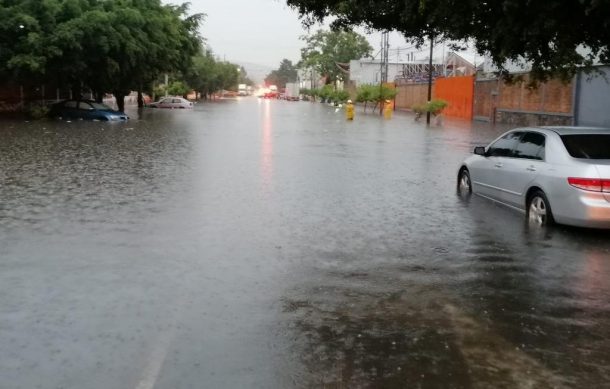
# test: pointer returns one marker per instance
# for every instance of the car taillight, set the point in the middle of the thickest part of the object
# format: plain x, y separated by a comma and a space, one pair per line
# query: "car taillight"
590, 184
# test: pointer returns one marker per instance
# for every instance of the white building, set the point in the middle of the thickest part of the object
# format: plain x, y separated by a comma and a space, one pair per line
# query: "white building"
523, 66
367, 71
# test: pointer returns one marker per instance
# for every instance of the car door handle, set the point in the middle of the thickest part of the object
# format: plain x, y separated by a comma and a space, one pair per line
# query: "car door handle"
530, 168
499, 164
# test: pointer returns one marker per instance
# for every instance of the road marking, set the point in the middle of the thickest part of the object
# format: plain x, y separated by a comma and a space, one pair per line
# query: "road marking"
151, 371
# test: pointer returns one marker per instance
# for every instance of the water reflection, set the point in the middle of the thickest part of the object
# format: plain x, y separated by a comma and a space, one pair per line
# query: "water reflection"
58, 172
366, 335
527, 291
497, 306
266, 163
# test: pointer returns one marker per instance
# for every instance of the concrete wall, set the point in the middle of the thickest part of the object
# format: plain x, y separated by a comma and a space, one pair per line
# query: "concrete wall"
593, 99
551, 103
409, 95
485, 96
14, 97
11, 97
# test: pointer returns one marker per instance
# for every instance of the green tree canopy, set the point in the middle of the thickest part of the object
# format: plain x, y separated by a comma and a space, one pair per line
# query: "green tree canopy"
287, 72
545, 33
108, 46
325, 49
369, 93
203, 76
206, 75
228, 75
243, 77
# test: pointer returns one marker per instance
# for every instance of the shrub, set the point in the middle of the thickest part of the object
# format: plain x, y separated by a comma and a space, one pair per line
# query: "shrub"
326, 92
374, 94
435, 107
178, 88
364, 93
387, 93
159, 90
37, 111
341, 96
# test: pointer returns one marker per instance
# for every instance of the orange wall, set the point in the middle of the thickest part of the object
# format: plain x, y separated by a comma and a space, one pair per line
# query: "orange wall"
458, 92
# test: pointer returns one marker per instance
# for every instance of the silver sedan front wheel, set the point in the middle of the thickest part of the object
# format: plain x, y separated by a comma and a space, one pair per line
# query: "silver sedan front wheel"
464, 186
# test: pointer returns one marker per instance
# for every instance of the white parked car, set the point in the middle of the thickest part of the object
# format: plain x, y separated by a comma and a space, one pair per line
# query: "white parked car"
172, 102
553, 174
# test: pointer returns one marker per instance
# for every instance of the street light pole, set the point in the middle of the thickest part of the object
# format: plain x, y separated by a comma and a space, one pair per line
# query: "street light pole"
430, 77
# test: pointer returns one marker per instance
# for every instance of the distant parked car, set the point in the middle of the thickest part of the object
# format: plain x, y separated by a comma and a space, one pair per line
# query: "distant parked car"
553, 174
85, 109
270, 95
172, 102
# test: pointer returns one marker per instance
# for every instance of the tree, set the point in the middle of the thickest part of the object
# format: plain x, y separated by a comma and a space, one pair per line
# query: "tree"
366, 94
545, 33
154, 39
178, 88
206, 75
228, 75
243, 77
287, 72
326, 92
369, 93
202, 76
108, 46
325, 49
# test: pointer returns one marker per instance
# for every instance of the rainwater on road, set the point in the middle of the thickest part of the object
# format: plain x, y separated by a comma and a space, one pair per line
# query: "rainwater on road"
271, 244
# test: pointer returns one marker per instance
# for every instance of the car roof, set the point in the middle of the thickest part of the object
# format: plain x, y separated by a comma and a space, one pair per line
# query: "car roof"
574, 130
83, 100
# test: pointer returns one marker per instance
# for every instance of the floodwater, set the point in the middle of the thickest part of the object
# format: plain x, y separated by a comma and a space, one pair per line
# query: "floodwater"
271, 244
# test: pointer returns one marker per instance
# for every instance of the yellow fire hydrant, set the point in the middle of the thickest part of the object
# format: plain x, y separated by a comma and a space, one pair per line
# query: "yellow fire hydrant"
349, 110
387, 109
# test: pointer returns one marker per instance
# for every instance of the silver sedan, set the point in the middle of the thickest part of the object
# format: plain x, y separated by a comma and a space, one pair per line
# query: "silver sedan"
172, 102
553, 174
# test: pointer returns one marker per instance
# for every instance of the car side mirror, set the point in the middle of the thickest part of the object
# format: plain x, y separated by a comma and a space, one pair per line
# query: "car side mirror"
479, 150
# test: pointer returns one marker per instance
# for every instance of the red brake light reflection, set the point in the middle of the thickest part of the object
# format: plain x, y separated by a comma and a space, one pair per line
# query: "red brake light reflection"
590, 184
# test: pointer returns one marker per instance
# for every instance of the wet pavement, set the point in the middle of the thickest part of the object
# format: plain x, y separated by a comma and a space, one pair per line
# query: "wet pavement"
271, 244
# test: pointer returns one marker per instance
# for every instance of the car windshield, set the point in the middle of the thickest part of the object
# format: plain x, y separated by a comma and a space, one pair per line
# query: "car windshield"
100, 106
588, 146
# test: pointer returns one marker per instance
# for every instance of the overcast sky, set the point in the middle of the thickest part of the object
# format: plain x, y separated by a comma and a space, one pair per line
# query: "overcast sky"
258, 31
263, 32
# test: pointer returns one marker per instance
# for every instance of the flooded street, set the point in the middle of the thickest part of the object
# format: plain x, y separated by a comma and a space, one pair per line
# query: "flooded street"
272, 244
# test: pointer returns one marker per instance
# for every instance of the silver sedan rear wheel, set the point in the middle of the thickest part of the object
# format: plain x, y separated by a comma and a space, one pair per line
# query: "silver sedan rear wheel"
539, 211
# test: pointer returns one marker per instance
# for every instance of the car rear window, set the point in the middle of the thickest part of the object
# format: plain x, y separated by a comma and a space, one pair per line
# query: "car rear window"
588, 146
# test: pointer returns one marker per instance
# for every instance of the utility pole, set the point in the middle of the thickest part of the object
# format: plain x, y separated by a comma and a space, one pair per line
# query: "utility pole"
312, 84
430, 77
385, 48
